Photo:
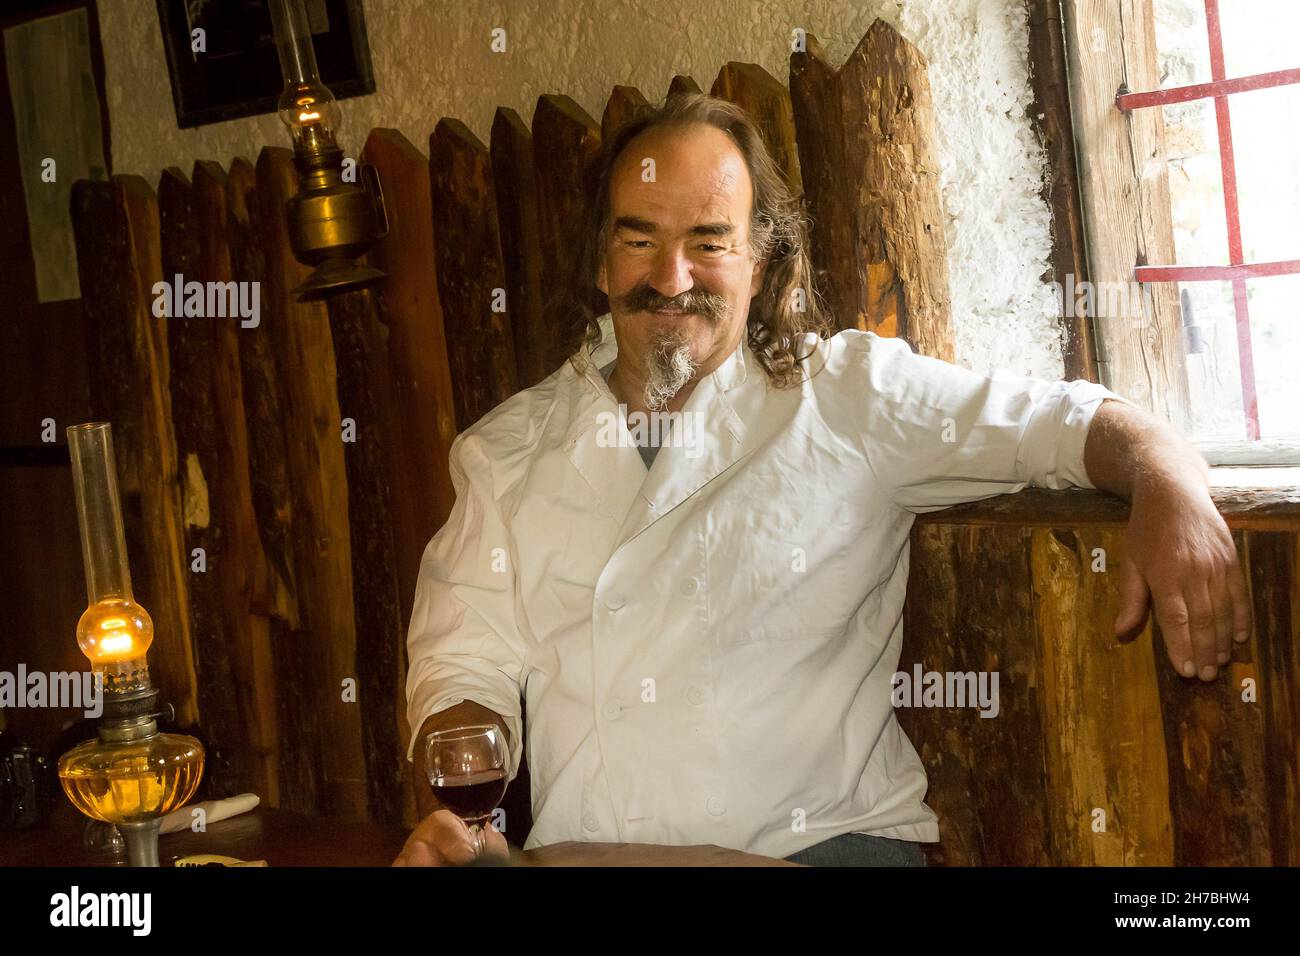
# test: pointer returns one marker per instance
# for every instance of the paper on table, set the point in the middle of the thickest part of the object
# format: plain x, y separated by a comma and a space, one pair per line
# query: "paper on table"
214, 810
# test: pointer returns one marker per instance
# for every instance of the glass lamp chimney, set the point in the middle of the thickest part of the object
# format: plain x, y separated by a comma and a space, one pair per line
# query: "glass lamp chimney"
114, 632
306, 107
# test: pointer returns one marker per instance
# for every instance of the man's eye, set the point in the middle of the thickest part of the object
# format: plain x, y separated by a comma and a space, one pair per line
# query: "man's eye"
712, 248
638, 243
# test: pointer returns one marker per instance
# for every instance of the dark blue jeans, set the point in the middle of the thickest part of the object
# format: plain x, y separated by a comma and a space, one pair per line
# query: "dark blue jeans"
861, 849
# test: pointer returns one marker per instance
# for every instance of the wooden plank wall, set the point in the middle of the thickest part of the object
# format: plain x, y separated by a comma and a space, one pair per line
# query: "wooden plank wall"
1100, 753
233, 440
119, 258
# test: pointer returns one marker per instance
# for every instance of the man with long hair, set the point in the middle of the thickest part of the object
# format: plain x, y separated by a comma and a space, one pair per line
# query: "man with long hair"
705, 620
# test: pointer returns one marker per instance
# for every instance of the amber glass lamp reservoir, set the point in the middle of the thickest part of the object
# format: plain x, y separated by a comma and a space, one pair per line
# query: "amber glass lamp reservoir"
132, 774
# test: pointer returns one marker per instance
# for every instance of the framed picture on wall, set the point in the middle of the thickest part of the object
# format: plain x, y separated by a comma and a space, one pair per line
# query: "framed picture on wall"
236, 72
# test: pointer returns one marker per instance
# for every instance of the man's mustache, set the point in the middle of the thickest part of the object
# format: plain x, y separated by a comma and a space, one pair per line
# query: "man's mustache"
643, 298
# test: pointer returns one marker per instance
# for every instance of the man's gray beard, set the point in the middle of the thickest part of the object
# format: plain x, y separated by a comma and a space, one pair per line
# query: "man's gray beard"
669, 368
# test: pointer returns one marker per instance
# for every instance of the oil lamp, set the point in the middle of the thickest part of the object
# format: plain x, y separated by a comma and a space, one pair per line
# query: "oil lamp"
331, 222
132, 774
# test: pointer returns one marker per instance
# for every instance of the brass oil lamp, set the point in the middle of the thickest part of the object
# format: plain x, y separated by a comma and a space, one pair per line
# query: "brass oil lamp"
331, 222
132, 774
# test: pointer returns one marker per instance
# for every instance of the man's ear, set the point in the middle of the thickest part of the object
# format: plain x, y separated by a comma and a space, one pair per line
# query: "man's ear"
602, 281
757, 282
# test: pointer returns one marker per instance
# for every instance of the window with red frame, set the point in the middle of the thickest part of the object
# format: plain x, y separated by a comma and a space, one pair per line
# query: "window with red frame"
1230, 96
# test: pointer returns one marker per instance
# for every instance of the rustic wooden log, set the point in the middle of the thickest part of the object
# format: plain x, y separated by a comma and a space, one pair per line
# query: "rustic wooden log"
272, 587
866, 148
564, 139
683, 84
411, 312
118, 257
191, 347
247, 630
471, 276
1273, 659
515, 182
767, 101
956, 621
1218, 742
1106, 770
424, 418
623, 103
366, 403
318, 497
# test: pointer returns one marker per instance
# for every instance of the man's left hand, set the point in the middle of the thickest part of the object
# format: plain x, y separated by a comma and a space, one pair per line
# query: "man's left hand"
1182, 556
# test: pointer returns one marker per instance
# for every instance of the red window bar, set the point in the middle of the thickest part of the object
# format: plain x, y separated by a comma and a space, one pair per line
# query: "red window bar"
1237, 272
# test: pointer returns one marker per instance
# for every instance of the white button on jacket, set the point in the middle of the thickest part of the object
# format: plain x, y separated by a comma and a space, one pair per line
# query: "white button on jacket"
723, 711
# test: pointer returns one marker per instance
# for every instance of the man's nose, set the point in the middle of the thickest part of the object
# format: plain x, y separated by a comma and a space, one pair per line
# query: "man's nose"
670, 274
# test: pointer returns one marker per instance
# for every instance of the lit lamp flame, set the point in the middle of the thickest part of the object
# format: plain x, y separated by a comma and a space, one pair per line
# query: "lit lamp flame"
115, 635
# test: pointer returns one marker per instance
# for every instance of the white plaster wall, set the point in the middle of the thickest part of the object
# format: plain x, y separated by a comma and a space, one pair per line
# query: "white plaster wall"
433, 59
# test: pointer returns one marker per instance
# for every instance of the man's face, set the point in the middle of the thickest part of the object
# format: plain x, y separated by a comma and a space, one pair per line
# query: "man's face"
677, 268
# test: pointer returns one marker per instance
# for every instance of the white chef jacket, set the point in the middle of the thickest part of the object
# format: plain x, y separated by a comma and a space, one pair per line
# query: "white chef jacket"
707, 648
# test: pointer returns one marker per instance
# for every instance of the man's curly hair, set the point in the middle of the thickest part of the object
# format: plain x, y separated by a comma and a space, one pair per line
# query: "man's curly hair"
786, 306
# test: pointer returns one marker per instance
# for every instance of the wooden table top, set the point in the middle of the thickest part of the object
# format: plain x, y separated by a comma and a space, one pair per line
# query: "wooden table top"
285, 838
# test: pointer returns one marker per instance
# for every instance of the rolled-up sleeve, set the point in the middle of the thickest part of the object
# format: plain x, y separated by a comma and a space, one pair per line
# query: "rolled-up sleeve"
938, 435
463, 643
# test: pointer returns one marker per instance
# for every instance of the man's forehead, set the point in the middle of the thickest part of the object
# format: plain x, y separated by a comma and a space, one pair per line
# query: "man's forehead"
696, 172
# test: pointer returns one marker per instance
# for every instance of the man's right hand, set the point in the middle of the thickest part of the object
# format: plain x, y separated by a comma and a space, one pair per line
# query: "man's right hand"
444, 839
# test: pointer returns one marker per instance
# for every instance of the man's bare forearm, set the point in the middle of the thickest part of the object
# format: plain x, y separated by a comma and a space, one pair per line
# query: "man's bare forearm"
1129, 450
463, 714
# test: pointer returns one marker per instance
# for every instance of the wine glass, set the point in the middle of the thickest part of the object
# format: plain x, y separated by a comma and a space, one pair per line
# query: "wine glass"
467, 768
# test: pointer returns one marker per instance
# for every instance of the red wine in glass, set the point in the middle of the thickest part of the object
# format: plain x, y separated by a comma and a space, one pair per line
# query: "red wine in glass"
471, 796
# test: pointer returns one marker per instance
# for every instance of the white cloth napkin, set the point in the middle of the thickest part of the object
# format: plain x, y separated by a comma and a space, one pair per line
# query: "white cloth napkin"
182, 818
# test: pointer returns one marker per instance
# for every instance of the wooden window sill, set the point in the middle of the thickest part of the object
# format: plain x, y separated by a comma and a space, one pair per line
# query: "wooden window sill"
1257, 499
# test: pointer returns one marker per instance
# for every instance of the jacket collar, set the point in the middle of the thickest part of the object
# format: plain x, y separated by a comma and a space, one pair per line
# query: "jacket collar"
617, 476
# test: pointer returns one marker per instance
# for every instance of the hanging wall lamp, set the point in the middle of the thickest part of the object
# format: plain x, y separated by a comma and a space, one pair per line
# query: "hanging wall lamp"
331, 222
